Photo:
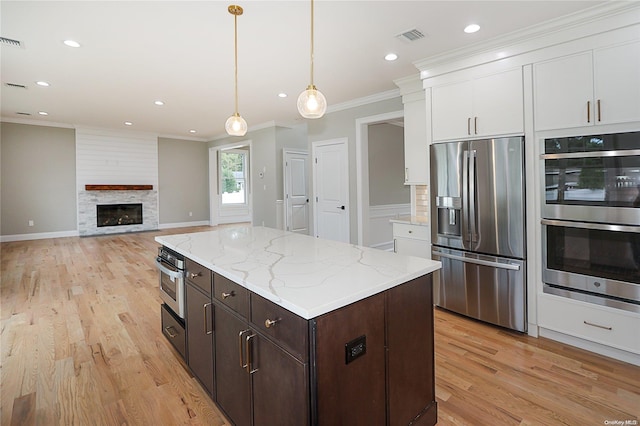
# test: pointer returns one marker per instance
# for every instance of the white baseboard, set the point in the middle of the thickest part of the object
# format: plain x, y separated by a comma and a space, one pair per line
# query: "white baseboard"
182, 224
38, 236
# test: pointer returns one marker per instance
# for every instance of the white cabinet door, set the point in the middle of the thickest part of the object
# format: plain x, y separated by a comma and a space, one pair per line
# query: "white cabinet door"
452, 111
563, 92
498, 104
487, 106
617, 84
415, 143
410, 247
589, 88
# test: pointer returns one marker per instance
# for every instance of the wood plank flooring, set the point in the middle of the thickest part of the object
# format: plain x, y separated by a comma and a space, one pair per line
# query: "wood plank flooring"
80, 344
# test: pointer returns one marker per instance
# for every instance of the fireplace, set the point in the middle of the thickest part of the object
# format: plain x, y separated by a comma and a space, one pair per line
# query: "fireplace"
119, 214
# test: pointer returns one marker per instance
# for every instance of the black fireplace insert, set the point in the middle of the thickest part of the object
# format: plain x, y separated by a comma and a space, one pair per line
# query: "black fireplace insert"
119, 214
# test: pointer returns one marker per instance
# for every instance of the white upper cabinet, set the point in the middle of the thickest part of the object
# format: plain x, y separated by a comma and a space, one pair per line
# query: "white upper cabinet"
416, 160
590, 88
486, 106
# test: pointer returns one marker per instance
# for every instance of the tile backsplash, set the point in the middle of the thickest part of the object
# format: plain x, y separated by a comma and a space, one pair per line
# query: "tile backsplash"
422, 200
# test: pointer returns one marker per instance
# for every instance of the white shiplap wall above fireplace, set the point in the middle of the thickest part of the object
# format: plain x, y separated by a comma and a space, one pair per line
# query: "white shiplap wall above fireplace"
110, 158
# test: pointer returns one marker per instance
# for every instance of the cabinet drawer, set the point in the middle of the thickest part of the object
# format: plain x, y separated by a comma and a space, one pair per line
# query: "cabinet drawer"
289, 330
198, 275
173, 330
231, 294
590, 322
418, 232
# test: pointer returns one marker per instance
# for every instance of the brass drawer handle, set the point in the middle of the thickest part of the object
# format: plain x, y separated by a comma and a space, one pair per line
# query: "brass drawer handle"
168, 330
226, 295
270, 323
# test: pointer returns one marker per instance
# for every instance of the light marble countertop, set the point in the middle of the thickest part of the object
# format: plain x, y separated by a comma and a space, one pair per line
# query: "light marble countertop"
412, 220
306, 275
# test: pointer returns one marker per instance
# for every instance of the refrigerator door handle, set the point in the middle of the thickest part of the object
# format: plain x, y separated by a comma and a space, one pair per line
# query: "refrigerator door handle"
510, 266
464, 226
472, 196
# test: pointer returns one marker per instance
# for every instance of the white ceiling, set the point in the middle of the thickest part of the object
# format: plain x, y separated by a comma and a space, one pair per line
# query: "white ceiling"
181, 52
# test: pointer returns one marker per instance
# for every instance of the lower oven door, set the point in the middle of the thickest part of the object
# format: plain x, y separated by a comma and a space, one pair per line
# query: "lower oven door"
488, 288
592, 259
171, 286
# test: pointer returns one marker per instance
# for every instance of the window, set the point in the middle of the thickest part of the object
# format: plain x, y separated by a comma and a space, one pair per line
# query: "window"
233, 176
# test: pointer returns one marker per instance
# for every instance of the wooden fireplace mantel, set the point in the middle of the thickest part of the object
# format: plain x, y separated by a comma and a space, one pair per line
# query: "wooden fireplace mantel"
118, 187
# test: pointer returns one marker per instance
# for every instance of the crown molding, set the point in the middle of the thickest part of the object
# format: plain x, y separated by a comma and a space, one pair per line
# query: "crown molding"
377, 97
34, 122
577, 25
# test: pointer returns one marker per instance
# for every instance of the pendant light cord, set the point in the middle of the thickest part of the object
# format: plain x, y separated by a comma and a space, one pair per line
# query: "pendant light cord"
235, 26
311, 42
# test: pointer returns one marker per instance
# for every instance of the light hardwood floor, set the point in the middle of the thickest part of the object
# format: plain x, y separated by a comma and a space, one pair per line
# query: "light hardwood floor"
81, 345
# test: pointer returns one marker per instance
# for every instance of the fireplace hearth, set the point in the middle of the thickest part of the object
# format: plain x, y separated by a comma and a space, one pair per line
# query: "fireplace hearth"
119, 214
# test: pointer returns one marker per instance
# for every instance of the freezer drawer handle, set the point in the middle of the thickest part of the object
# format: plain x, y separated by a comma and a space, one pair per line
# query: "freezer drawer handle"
511, 266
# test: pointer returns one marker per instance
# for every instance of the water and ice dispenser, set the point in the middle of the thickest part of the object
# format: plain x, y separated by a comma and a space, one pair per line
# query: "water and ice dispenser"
449, 210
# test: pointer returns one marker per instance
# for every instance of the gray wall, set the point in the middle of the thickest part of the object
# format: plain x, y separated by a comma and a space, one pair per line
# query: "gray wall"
386, 166
38, 179
183, 183
341, 124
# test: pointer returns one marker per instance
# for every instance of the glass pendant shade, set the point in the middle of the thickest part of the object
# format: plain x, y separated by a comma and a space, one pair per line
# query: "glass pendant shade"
312, 103
236, 125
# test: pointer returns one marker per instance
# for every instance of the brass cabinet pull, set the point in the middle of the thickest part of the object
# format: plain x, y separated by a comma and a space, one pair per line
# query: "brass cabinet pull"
597, 325
242, 364
475, 125
248, 347
204, 308
225, 295
270, 323
468, 125
194, 275
168, 330
588, 111
599, 114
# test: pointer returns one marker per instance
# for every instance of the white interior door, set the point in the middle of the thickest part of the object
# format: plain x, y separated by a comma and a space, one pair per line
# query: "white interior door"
331, 190
296, 193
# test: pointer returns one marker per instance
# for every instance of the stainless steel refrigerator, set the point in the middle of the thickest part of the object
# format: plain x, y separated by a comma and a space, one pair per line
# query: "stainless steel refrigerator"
478, 229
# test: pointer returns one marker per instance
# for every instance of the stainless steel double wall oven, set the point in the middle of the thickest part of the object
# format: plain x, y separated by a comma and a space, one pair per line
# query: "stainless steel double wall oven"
591, 219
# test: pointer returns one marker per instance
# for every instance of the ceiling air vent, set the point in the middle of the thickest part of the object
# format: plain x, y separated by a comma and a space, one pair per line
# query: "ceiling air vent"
23, 113
411, 35
16, 85
10, 42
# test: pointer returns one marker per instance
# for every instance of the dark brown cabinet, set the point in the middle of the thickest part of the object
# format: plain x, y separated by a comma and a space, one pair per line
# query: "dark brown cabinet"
367, 363
199, 326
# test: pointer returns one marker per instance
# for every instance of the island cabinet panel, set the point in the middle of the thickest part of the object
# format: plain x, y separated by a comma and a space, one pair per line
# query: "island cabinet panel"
351, 391
411, 373
199, 324
198, 275
231, 294
233, 383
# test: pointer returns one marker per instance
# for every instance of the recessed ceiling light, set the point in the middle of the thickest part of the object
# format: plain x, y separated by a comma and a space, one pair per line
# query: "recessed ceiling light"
282, 95
192, 131
159, 103
42, 83
471, 28
71, 43
128, 123
43, 113
390, 57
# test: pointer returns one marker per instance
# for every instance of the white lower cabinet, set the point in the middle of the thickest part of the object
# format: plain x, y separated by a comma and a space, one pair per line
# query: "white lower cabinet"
412, 240
606, 326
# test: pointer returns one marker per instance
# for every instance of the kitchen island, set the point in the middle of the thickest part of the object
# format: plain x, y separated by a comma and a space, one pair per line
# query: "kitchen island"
308, 331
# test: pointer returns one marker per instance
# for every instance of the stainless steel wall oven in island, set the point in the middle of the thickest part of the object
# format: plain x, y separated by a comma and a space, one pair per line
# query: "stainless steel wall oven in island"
478, 232
591, 219
171, 270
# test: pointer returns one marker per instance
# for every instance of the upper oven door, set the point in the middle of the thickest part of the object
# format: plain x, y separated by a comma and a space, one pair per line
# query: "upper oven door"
593, 178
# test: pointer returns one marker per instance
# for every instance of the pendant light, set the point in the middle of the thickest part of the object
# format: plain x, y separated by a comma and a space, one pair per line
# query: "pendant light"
311, 102
236, 125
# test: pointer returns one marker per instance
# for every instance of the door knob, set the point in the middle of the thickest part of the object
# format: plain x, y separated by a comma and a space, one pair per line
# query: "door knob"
340, 207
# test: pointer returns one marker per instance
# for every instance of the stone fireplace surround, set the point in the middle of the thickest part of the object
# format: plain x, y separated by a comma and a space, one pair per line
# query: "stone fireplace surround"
92, 195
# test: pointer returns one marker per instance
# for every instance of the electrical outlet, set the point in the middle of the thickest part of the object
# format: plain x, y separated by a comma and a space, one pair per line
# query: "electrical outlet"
190, 213
30, 222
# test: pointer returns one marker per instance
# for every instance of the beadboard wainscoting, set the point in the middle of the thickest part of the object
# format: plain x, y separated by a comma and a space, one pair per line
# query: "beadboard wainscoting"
380, 229
111, 158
